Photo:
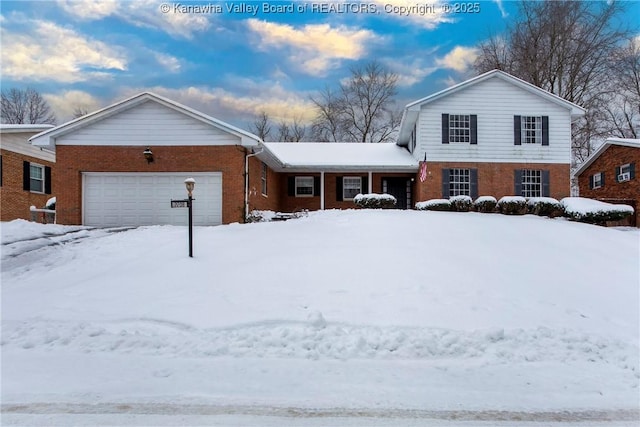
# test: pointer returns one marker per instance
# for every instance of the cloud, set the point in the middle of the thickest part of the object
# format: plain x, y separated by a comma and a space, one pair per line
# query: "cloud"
459, 59
168, 62
65, 104
59, 54
503, 12
315, 48
141, 13
426, 15
411, 69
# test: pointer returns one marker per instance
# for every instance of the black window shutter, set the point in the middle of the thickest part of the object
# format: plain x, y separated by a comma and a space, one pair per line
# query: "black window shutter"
316, 185
445, 128
618, 169
602, 178
516, 131
445, 183
545, 130
591, 180
517, 182
339, 188
365, 185
474, 129
632, 170
473, 176
26, 176
546, 183
291, 186
47, 180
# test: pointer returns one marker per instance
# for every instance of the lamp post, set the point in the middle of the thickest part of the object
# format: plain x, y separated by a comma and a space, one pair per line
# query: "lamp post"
190, 183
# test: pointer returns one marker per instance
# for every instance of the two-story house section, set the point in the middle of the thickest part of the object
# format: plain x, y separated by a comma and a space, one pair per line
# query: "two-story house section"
492, 135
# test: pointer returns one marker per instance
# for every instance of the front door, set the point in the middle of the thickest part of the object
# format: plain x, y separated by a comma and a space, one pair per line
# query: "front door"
400, 188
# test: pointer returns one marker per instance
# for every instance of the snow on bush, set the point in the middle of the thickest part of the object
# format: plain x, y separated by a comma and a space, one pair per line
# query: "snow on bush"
544, 206
461, 203
485, 204
512, 205
375, 201
434, 205
594, 211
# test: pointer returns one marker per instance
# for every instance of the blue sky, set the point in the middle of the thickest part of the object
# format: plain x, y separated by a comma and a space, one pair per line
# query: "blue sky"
233, 64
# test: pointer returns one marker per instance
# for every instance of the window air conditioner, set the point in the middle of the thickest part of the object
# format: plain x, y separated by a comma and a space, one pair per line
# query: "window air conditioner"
624, 177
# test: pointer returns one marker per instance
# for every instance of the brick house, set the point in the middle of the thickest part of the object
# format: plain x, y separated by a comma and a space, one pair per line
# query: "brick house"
491, 135
609, 174
25, 171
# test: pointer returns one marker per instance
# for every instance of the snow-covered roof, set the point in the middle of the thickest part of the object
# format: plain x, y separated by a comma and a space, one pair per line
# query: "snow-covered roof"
625, 142
48, 137
411, 110
15, 128
331, 156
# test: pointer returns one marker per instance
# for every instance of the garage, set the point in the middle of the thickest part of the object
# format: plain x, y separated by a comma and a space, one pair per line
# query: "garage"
131, 199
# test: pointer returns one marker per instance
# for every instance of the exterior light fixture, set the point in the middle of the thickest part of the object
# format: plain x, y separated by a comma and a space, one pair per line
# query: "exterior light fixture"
148, 155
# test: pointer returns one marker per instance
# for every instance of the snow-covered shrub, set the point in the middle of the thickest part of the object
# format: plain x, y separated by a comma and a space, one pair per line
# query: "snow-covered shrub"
375, 201
512, 205
485, 204
461, 203
260, 216
544, 206
434, 205
594, 211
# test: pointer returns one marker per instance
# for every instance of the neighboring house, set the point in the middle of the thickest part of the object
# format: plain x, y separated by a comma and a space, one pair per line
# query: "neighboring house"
492, 135
609, 174
25, 171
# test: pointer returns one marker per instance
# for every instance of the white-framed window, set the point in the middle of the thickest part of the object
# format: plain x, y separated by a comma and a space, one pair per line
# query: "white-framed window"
459, 128
459, 182
263, 178
597, 180
625, 173
304, 186
531, 129
351, 187
36, 178
531, 183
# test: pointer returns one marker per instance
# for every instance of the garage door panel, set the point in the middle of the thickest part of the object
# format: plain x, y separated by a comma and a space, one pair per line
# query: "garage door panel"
131, 199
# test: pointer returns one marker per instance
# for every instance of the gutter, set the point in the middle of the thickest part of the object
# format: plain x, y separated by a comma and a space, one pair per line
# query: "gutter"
246, 182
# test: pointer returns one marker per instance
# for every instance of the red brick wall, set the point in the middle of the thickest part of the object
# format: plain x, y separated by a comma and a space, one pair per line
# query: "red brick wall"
257, 200
72, 160
494, 179
14, 201
612, 157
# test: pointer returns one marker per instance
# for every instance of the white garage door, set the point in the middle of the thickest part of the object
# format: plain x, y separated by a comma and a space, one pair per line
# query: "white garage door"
131, 199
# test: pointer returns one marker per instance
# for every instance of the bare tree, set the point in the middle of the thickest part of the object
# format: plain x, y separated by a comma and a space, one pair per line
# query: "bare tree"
623, 106
25, 107
362, 110
80, 111
291, 131
261, 126
564, 47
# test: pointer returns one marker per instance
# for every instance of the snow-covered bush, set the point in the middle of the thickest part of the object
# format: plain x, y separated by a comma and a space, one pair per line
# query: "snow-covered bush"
461, 203
375, 201
260, 216
512, 205
594, 211
485, 204
544, 206
434, 205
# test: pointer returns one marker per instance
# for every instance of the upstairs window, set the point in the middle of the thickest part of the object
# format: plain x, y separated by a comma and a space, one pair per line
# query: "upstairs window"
459, 128
626, 172
597, 180
531, 130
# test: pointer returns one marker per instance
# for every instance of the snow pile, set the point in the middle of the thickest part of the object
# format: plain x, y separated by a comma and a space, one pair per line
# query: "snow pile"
22, 230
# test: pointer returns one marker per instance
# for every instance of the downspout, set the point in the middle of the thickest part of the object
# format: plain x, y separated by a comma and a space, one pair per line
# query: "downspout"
246, 182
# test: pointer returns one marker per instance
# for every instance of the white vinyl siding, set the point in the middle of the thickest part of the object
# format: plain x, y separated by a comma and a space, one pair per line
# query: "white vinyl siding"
149, 124
495, 102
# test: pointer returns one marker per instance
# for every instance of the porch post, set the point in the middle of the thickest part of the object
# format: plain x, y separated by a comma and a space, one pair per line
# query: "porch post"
322, 190
370, 189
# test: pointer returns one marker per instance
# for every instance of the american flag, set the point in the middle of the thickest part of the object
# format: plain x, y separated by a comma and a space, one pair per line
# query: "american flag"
423, 169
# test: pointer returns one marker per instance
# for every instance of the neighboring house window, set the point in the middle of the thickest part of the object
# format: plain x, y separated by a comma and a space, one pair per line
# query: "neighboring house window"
459, 182
597, 180
461, 128
626, 172
531, 130
351, 187
263, 178
304, 186
36, 178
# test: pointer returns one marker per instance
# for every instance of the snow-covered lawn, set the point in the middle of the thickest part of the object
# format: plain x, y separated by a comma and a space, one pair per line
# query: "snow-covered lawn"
380, 311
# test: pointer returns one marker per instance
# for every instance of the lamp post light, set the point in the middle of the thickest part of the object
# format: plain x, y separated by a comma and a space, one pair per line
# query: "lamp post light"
190, 183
